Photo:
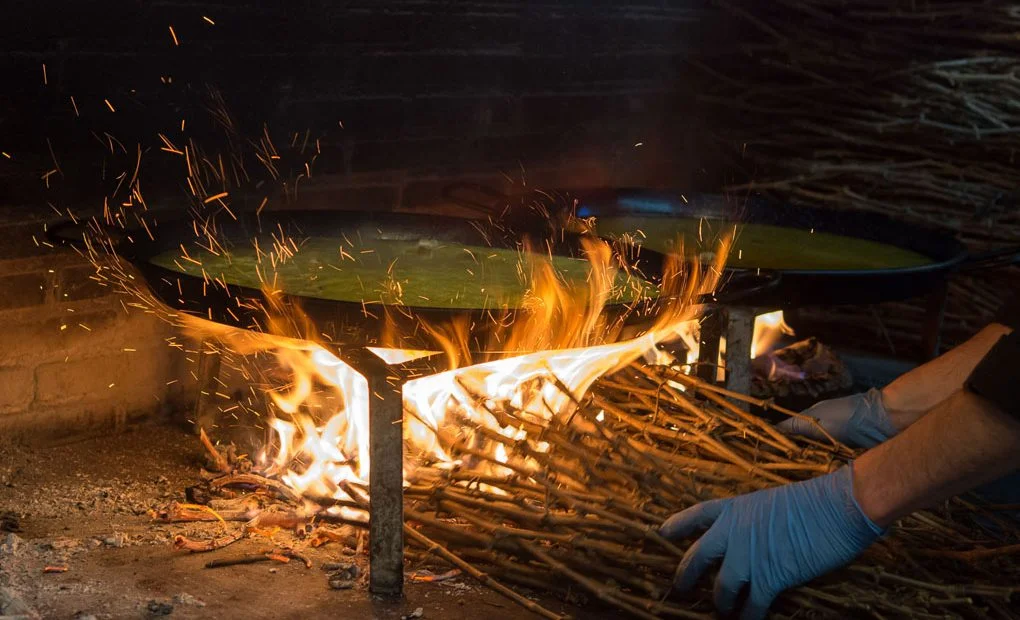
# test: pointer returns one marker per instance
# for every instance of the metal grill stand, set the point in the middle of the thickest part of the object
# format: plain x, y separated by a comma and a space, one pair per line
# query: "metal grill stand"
736, 324
385, 451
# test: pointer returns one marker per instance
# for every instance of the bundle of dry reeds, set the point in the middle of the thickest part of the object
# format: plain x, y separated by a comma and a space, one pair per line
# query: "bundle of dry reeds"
575, 506
904, 108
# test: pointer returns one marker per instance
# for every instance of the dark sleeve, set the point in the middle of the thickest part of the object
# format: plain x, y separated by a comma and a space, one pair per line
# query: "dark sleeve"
997, 377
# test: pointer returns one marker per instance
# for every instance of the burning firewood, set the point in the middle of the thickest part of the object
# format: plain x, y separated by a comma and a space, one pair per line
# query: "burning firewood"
578, 499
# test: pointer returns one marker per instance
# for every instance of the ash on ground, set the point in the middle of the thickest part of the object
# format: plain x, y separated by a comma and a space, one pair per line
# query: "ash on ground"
77, 541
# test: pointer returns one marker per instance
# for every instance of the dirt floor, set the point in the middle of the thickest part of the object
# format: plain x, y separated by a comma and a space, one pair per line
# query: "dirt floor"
84, 506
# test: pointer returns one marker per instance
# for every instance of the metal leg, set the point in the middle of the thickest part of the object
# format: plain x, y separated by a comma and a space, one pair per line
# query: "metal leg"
385, 484
208, 371
712, 328
739, 336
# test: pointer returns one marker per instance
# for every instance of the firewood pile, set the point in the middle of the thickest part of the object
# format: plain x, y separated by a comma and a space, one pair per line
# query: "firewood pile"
573, 508
903, 108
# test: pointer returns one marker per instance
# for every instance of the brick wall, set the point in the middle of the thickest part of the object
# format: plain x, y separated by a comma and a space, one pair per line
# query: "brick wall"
398, 91
403, 96
72, 360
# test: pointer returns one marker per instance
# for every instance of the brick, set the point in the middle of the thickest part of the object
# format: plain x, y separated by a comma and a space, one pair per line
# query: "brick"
621, 33
78, 283
16, 239
527, 148
134, 376
344, 197
109, 329
78, 420
473, 31
420, 73
23, 290
17, 389
598, 71
460, 115
408, 154
372, 118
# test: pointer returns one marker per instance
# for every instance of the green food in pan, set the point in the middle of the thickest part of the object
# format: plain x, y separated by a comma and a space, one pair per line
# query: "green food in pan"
422, 273
763, 246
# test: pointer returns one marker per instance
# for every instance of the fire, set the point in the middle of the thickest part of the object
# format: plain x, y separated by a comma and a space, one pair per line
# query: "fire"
768, 329
468, 415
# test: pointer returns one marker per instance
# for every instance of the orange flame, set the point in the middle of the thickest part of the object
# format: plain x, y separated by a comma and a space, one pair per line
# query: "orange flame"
549, 356
768, 329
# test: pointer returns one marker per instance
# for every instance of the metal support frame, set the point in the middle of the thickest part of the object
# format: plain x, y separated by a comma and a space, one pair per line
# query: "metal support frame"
386, 453
739, 337
712, 328
736, 324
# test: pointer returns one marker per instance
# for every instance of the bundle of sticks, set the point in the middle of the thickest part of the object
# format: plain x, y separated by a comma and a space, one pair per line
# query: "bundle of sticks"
904, 108
575, 505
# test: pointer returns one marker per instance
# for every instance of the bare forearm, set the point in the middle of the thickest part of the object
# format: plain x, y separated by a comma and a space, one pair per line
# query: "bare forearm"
914, 394
964, 442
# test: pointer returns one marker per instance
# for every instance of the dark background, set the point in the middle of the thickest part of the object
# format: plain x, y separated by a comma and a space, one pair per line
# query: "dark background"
537, 92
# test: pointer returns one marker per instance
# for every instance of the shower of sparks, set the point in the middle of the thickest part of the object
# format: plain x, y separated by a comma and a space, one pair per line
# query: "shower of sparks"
301, 390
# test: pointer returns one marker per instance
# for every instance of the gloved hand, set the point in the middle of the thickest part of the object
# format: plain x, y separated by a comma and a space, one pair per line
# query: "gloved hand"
860, 421
772, 540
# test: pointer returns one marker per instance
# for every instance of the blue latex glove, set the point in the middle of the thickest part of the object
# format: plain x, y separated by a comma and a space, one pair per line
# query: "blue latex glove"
772, 540
860, 421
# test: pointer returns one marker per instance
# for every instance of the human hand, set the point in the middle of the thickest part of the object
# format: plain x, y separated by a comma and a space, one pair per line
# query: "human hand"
860, 420
772, 540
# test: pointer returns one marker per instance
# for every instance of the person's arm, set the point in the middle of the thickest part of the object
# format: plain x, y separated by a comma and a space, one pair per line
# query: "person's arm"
785, 536
964, 442
914, 394
867, 419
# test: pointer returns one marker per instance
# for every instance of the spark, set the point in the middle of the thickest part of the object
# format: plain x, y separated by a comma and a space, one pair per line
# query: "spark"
211, 22
637, 144
75, 106
45, 80
109, 105
216, 197
173, 35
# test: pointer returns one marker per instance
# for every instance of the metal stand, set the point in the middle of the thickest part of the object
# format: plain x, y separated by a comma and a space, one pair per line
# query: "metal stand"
739, 340
712, 328
737, 325
386, 454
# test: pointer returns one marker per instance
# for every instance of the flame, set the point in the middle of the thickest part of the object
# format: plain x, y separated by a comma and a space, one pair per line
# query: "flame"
768, 329
472, 414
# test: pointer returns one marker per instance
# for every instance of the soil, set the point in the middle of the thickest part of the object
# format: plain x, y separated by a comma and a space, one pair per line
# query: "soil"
84, 506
